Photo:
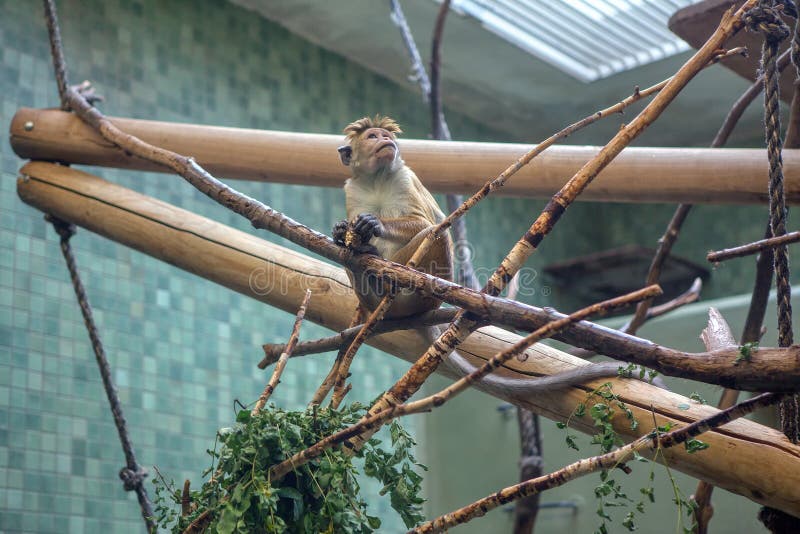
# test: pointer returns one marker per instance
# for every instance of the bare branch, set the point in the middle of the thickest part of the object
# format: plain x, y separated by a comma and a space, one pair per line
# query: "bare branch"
654, 273
753, 248
375, 420
419, 74
687, 297
744, 101
436, 317
651, 442
437, 121
186, 499
276, 375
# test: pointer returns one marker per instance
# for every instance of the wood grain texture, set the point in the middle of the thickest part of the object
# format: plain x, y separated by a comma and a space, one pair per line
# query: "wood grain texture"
689, 175
745, 457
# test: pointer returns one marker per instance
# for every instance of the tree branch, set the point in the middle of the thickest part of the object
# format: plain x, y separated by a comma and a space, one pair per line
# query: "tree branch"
373, 421
753, 248
652, 442
436, 317
486, 306
276, 375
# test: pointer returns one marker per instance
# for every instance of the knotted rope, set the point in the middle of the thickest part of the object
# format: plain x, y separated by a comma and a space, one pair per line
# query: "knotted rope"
132, 474
766, 18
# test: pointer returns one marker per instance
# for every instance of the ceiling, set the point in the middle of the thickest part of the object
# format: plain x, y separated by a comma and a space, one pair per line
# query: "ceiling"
500, 85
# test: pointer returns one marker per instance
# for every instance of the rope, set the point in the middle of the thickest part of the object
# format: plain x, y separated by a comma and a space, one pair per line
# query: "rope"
132, 474
765, 17
57, 51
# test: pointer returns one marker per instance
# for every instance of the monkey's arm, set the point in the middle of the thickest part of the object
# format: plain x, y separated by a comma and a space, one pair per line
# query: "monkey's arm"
579, 375
404, 229
437, 261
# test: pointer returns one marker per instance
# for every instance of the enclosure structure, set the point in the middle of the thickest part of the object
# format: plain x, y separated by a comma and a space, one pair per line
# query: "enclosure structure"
165, 297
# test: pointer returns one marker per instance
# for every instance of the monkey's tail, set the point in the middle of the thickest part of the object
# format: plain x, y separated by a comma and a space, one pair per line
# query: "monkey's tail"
534, 385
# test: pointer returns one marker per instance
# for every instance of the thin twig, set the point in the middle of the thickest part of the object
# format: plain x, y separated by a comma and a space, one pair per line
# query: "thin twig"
436, 317
186, 498
751, 333
651, 442
330, 379
753, 248
373, 421
503, 177
343, 367
437, 121
765, 373
744, 101
418, 72
661, 255
439, 131
276, 374
465, 324
687, 297
465, 275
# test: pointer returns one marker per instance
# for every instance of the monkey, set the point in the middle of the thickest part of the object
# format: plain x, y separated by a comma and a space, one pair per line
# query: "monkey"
389, 213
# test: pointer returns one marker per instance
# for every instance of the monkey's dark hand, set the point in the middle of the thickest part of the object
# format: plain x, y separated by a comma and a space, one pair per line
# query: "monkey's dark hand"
346, 234
340, 232
367, 225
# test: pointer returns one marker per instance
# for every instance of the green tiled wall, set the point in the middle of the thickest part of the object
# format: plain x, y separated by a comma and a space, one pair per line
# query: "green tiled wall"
181, 348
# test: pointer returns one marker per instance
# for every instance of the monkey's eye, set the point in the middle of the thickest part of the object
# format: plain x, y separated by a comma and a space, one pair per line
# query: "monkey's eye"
372, 136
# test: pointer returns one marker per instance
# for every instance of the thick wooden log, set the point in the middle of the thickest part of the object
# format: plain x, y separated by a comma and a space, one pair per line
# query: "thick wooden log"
745, 457
691, 175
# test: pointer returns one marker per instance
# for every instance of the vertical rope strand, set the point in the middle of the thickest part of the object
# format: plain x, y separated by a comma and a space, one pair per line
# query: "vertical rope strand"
132, 474
765, 17
57, 52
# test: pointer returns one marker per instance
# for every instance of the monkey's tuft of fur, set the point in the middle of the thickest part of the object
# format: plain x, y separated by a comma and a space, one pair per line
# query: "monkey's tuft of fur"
356, 128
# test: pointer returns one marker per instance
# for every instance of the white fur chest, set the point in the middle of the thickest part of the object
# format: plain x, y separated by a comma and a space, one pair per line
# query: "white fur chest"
385, 198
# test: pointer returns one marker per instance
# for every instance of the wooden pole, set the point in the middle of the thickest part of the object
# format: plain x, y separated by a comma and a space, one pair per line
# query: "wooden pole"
689, 175
745, 457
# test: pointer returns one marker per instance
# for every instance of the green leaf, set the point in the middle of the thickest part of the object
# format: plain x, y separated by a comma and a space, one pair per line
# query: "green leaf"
694, 445
570, 439
697, 398
227, 521
243, 416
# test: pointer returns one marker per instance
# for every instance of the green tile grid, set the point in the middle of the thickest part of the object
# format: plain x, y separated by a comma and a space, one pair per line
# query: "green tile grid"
181, 348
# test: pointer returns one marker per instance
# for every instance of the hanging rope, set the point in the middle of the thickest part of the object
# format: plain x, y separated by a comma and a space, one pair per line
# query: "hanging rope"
57, 51
766, 19
132, 474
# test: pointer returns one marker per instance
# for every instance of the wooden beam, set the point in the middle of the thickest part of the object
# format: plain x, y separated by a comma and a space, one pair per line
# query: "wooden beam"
693, 175
744, 457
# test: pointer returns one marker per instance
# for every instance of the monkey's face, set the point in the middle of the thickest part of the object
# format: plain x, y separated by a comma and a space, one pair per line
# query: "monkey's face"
377, 150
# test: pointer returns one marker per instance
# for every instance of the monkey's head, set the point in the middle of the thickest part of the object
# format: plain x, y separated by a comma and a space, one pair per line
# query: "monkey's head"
371, 145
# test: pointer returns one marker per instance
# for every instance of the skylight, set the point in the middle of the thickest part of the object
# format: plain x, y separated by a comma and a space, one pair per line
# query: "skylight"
587, 39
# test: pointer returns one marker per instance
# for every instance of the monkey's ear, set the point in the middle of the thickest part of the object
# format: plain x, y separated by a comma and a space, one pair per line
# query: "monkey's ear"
345, 153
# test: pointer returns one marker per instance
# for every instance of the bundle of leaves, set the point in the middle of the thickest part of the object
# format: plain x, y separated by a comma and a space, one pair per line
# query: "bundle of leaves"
320, 496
